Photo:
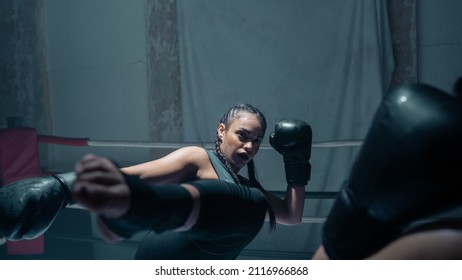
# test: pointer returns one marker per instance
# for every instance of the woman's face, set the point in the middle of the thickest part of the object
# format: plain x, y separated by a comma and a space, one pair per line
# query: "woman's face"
241, 140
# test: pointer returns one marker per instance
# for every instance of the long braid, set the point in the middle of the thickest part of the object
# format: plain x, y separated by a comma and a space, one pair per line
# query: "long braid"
226, 119
225, 161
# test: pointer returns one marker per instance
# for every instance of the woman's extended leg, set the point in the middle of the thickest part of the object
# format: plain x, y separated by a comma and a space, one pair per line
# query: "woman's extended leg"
207, 210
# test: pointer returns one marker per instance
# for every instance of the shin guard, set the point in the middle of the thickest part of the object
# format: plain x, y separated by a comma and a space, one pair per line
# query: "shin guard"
157, 208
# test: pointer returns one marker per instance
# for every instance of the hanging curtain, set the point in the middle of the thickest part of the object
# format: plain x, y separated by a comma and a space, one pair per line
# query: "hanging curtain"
163, 71
326, 62
403, 24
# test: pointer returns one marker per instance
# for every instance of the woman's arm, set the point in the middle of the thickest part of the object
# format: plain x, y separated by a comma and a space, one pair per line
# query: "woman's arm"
184, 164
440, 244
292, 139
288, 211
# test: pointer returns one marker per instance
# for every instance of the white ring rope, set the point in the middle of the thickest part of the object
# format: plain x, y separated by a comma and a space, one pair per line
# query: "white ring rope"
165, 145
305, 220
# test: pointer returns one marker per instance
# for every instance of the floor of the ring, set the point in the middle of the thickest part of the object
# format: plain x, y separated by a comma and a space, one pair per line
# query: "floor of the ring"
73, 237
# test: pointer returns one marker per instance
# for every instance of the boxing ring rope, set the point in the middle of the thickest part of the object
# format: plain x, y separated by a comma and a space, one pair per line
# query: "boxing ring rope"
167, 145
171, 145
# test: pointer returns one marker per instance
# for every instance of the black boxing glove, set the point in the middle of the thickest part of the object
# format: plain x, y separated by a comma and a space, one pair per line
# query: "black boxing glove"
292, 139
408, 168
29, 206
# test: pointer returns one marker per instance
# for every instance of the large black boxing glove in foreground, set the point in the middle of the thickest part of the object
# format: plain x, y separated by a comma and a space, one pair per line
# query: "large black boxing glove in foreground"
29, 206
408, 167
292, 139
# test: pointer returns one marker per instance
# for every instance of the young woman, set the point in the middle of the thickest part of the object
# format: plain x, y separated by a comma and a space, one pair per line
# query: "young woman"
194, 200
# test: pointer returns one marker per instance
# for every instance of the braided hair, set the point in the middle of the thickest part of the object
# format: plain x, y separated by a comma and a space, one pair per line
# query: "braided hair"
231, 114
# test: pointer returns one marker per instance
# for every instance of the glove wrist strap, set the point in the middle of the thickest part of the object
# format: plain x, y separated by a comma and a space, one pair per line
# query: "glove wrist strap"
298, 173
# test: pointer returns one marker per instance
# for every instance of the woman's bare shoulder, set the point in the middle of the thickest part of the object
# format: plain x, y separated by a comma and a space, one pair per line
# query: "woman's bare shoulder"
193, 154
198, 159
